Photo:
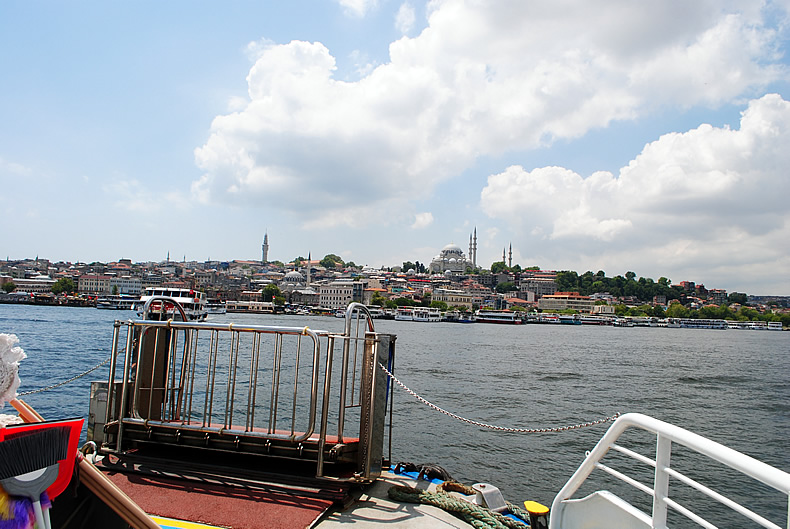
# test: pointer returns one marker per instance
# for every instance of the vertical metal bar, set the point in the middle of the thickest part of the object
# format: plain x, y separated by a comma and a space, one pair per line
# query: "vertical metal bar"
153, 372
325, 407
296, 382
111, 379
661, 481
232, 364
341, 415
127, 363
275, 394
170, 372
191, 380
211, 375
252, 391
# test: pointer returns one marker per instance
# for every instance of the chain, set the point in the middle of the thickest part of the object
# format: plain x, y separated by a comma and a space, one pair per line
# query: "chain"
72, 379
491, 426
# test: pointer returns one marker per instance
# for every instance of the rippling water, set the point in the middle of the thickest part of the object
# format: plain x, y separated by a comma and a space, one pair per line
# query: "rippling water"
732, 386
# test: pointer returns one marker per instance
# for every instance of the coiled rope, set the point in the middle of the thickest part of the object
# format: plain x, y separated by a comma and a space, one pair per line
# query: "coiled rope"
72, 379
492, 426
475, 515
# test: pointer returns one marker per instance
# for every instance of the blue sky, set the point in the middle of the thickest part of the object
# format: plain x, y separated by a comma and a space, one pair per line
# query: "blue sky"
597, 135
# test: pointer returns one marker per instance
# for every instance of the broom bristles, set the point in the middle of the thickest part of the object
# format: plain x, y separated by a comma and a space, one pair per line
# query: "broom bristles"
26, 451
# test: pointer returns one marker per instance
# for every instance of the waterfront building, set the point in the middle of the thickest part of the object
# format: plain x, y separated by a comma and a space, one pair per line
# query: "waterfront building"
39, 284
94, 284
566, 301
128, 285
457, 298
338, 294
538, 286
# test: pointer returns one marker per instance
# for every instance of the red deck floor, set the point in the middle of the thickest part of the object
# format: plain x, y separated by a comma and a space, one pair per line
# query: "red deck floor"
214, 504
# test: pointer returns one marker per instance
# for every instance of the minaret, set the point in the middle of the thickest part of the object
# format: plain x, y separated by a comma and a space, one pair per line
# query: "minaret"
503, 256
474, 248
265, 248
510, 257
308, 269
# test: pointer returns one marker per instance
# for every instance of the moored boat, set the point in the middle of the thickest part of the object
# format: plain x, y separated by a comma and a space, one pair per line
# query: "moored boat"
498, 316
192, 302
119, 302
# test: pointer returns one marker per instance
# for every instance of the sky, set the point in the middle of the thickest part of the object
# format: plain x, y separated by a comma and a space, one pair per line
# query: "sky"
651, 137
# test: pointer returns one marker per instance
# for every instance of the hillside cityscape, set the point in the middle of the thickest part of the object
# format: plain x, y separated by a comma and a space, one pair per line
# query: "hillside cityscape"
451, 281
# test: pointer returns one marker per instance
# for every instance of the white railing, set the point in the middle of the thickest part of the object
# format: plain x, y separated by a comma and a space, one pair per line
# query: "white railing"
603, 509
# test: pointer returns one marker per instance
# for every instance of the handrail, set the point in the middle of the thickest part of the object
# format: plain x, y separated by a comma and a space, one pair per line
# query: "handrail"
666, 435
263, 387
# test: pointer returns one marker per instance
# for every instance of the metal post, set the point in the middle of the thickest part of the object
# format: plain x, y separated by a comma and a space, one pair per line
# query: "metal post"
661, 482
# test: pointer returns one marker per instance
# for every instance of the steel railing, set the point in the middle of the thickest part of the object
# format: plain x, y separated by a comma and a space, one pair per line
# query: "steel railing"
251, 385
667, 434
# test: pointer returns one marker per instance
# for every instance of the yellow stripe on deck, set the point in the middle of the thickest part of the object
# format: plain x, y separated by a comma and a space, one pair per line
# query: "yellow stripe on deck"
169, 523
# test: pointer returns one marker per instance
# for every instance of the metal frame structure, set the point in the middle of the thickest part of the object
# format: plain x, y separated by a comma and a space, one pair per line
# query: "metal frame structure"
260, 390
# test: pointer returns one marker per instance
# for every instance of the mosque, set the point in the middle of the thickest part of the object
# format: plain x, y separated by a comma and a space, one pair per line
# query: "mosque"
452, 259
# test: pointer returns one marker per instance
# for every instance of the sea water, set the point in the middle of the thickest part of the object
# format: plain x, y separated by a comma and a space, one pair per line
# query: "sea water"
732, 386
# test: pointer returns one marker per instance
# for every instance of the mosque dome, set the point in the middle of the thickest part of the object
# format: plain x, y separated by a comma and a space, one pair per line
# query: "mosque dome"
452, 249
293, 277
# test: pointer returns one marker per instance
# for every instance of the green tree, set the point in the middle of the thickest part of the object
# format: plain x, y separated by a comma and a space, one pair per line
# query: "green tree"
378, 300
270, 292
505, 286
115, 290
9, 287
676, 310
64, 284
441, 305
332, 261
737, 297
408, 265
498, 267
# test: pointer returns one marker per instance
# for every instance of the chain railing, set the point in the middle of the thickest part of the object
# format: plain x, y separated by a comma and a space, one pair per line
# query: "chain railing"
492, 426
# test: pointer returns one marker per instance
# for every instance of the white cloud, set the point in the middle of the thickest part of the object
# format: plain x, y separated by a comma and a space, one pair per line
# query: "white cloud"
422, 220
14, 168
483, 78
689, 202
357, 8
405, 18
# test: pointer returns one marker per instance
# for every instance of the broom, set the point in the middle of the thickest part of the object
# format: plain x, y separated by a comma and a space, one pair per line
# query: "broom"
29, 463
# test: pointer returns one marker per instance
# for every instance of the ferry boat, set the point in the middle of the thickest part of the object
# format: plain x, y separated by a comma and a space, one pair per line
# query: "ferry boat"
253, 307
404, 314
456, 316
120, 302
168, 450
774, 326
216, 307
498, 316
426, 314
192, 302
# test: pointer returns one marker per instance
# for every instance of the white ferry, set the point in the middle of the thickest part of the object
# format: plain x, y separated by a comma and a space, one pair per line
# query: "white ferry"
498, 316
774, 325
216, 307
426, 314
168, 450
405, 314
193, 302
120, 302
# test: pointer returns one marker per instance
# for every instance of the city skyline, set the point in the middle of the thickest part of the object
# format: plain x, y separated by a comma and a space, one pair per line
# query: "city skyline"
587, 135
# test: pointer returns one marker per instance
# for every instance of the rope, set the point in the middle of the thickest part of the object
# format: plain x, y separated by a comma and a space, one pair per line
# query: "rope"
475, 515
72, 379
494, 427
